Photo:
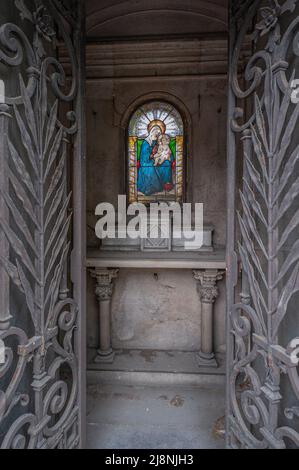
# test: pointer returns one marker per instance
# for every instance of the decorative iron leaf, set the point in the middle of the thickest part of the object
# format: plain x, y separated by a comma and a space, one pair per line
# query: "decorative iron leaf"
276, 116
56, 201
287, 173
19, 220
251, 249
288, 5
260, 122
30, 115
58, 247
28, 294
27, 142
24, 11
256, 178
21, 169
254, 204
285, 104
43, 102
286, 139
258, 149
18, 247
289, 290
59, 221
287, 201
252, 224
53, 290
255, 291
55, 178
51, 125
22, 195
292, 258
54, 151
269, 106
12, 272
293, 223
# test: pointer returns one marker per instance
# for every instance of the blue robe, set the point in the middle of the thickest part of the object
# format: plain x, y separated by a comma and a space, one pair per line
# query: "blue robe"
152, 179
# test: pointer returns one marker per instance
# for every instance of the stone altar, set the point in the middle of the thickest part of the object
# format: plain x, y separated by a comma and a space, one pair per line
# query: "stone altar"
207, 268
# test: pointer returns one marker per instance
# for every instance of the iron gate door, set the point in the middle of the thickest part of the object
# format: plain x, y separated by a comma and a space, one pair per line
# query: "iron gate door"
42, 225
263, 220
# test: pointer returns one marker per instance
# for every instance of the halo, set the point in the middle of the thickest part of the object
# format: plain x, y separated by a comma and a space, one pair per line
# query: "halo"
158, 123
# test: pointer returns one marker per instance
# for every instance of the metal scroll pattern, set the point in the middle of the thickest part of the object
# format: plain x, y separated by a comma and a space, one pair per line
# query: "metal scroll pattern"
264, 367
38, 397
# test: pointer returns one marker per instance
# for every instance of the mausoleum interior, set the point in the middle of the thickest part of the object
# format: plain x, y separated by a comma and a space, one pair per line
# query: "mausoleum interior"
155, 309
149, 218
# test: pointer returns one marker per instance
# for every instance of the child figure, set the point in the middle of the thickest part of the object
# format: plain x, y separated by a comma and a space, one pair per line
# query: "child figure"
163, 152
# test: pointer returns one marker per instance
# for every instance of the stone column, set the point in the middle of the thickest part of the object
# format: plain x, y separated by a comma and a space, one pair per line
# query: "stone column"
104, 289
208, 292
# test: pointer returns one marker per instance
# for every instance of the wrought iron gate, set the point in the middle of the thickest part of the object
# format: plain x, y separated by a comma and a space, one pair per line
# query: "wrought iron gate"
42, 223
263, 220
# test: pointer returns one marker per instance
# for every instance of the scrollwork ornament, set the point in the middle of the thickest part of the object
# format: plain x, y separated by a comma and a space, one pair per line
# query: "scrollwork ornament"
19, 438
267, 198
42, 22
15, 47
275, 52
37, 259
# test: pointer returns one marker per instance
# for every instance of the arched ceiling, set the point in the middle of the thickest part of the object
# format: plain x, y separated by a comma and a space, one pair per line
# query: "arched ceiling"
126, 19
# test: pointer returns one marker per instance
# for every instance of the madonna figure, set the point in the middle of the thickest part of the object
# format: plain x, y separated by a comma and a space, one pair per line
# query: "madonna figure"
154, 175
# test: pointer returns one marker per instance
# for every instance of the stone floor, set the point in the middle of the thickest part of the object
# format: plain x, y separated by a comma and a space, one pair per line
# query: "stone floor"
154, 417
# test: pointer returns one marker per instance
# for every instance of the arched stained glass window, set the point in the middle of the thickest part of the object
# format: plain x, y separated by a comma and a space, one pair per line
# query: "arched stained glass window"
156, 153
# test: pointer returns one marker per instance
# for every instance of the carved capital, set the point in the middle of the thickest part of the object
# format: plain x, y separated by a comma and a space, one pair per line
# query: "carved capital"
207, 279
208, 294
104, 279
104, 292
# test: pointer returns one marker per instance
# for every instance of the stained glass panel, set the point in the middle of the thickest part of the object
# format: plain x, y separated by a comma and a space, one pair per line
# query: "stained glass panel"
156, 154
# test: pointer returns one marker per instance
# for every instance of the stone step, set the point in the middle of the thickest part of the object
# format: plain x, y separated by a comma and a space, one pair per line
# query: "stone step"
130, 378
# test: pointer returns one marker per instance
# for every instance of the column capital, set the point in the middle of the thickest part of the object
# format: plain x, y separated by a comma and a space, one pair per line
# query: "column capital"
104, 279
207, 279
